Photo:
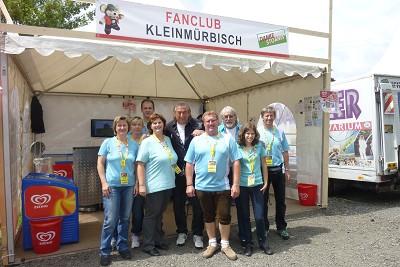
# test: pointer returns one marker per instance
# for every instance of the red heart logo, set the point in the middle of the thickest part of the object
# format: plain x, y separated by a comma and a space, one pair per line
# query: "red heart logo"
44, 237
61, 173
40, 199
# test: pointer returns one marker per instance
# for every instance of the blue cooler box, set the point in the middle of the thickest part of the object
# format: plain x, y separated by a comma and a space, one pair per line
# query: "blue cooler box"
47, 196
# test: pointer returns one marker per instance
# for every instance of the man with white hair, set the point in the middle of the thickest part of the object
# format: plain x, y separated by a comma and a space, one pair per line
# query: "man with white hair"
230, 122
229, 129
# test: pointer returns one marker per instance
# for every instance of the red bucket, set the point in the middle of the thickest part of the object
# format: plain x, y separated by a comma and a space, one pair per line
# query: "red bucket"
46, 235
307, 194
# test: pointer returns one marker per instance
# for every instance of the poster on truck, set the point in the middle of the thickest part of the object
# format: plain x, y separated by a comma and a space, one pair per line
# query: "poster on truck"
350, 129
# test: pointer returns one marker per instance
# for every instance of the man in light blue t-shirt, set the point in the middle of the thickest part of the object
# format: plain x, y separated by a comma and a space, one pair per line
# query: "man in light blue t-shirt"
230, 128
208, 156
277, 148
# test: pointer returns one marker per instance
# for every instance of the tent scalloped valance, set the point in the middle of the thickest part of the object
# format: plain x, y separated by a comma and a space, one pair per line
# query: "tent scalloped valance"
100, 50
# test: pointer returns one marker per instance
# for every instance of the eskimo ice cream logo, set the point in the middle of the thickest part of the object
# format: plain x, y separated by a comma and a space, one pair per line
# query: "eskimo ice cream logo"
61, 173
266, 39
45, 238
303, 196
40, 201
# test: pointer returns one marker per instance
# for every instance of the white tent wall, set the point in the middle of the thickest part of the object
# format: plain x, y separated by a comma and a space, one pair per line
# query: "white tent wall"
249, 103
67, 117
16, 152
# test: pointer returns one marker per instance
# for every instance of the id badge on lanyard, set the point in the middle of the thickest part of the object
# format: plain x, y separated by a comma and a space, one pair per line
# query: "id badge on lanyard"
212, 166
124, 177
176, 168
268, 160
251, 180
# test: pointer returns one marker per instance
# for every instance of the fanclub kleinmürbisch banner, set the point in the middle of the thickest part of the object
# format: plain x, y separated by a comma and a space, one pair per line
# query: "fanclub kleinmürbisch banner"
166, 26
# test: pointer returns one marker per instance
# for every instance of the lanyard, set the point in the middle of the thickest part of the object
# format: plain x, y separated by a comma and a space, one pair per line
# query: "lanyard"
166, 147
253, 159
140, 139
123, 159
266, 138
213, 146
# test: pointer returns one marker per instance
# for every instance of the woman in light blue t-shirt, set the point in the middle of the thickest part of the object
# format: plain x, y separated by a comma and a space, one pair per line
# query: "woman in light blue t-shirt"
252, 186
116, 168
156, 167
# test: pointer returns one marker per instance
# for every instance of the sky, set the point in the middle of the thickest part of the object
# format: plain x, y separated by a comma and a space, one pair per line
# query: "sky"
361, 30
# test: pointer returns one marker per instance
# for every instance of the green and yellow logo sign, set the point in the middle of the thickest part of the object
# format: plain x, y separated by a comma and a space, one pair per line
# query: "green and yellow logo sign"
271, 38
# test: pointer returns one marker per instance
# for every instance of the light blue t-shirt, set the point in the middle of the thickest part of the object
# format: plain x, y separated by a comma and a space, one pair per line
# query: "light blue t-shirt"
227, 133
199, 153
159, 172
109, 149
255, 156
279, 145
222, 129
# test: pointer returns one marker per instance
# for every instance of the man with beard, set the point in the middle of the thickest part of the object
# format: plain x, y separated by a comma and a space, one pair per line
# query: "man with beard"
230, 129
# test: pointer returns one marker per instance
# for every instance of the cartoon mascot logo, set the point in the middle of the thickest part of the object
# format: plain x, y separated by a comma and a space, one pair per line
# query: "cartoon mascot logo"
111, 17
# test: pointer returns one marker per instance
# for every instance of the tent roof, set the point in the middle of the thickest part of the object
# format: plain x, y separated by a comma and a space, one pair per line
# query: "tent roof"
97, 66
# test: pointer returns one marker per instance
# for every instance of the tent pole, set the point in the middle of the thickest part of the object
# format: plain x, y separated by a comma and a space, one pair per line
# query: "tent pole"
5, 157
325, 120
188, 82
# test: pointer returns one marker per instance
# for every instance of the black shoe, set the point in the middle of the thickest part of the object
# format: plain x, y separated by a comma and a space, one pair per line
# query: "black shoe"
125, 254
105, 260
267, 250
243, 243
162, 246
153, 252
248, 250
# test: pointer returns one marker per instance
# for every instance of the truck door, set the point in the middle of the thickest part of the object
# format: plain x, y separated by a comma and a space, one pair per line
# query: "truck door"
389, 126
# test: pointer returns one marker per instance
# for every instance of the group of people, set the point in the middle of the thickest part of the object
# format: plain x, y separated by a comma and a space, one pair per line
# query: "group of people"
203, 162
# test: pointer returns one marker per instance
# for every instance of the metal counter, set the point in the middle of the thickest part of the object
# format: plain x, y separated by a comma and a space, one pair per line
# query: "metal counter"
86, 177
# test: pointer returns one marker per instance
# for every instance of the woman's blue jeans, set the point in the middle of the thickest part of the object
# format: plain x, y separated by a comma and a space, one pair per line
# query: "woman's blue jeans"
257, 198
117, 210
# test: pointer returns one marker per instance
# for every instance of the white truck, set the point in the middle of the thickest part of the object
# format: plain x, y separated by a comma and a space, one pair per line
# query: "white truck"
364, 134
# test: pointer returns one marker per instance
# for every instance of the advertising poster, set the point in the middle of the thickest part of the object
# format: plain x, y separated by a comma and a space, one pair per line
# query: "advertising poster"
350, 130
329, 101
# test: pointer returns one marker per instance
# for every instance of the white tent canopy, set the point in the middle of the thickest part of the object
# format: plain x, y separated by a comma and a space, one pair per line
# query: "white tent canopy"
87, 66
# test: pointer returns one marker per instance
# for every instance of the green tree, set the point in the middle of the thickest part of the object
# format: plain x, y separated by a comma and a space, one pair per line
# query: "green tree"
50, 13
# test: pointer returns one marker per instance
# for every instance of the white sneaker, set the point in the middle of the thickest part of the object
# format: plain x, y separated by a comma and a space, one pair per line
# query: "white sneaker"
180, 241
198, 241
135, 241
114, 244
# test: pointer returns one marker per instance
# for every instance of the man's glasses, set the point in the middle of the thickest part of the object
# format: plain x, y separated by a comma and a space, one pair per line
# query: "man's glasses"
229, 116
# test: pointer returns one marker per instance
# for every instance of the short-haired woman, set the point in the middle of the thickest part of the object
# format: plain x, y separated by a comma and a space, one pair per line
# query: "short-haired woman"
156, 167
116, 168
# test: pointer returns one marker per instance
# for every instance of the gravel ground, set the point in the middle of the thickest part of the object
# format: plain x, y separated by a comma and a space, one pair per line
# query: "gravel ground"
357, 229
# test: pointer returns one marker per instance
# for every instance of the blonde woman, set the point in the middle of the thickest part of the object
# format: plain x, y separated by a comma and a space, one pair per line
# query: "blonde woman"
116, 168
